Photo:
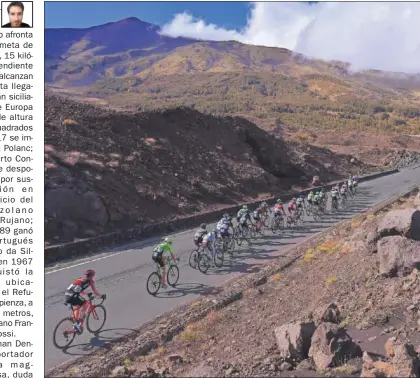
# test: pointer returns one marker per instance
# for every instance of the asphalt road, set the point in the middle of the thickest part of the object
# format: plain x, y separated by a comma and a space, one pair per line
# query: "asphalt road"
122, 273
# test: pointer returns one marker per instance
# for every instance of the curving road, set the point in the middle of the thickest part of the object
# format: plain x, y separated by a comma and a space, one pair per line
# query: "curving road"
122, 272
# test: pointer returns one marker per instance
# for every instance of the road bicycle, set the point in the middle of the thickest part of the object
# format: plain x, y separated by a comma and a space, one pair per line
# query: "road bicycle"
266, 218
195, 256
228, 243
291, 220
206, 256
316, 212
309, 209
277, 224
68, 330
239, 234
334, 205
257, 228
343, 200
154, 281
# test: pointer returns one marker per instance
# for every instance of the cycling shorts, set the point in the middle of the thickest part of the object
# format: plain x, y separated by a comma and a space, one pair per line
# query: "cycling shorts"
225, 233
158, 257
198, 240
74, 300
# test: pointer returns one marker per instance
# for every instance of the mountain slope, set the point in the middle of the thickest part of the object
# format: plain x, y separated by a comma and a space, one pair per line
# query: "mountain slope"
128, 64
107, 170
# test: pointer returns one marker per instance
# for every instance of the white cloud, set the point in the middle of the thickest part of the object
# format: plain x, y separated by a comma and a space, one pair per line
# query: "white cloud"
381, 35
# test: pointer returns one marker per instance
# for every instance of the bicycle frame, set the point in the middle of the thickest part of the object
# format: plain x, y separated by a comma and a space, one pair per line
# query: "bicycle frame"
168, 262
91, 309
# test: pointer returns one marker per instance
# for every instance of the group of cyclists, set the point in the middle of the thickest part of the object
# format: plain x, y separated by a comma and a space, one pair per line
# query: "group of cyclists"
206, 240
226, 233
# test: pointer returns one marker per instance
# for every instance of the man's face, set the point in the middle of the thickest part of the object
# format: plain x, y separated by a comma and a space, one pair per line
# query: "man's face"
15, 16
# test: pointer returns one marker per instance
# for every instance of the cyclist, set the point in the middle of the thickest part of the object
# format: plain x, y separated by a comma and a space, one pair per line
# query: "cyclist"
158, 257
316, 200
322, 197
343, 191
278, 208
242, 217
334, 196
291, 207
223, 226
355, 179
264, 208
74, 297
208, 242
350, 184
310, 197
300, 203
257, 215
241, 212
198, 236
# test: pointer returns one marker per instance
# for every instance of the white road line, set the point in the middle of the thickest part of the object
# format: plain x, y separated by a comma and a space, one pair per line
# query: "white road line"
87, 262
112, 255
119, 253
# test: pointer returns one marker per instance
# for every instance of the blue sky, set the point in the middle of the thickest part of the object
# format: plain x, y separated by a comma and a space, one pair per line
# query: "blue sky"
230, 15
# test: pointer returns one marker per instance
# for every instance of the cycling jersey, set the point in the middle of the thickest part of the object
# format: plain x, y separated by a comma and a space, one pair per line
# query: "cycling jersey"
243, 219
163, 247
278, 209
291, 206
77, 288
263, 207
158, 253
241, 213
256, 214
223, 227
209, 238
198, 236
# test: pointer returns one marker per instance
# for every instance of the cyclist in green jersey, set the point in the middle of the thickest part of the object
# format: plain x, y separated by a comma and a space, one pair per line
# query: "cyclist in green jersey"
158, 257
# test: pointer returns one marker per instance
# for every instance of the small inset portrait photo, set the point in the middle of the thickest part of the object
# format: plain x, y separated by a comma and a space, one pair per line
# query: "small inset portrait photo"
17, 14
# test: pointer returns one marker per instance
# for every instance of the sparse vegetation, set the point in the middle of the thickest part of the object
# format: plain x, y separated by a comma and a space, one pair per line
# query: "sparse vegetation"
227, 94
331, 281
199, 330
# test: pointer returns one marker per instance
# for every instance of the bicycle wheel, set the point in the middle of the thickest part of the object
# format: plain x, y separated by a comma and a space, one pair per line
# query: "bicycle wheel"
253, 232
172, 276
274, 225
193, 260
218, 257
266, 221
238, 237
235, 234
231, 244
68, 332
100, 313
247, 236
153, 283
203, 262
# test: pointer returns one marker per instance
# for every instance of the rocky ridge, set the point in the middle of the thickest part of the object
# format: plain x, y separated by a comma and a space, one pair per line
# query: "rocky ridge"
107, 170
